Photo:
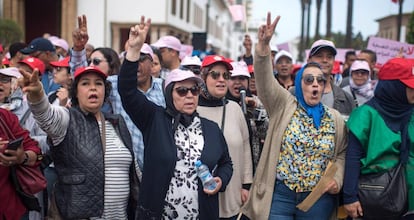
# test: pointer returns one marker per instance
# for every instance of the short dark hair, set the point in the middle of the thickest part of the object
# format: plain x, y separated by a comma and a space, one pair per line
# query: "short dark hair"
371, 53
350, 53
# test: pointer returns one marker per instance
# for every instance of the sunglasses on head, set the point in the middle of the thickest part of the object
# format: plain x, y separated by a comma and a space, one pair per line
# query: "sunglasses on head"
183, 91
96, 61
216, 75
309, 79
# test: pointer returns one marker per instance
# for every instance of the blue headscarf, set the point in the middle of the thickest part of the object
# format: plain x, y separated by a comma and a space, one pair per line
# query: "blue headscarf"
316, 112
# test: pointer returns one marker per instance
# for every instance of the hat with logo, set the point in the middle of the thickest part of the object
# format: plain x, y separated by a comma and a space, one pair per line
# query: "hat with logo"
398, 68
34, 63
88, 69
38, 44
11, 71
283, 53
191, 61
360, 65
240, 69
322, 44
178, 75
61, 63
146, 49
213, 59
168, 42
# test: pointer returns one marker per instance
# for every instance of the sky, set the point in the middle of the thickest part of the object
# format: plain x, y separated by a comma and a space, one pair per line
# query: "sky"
364, 15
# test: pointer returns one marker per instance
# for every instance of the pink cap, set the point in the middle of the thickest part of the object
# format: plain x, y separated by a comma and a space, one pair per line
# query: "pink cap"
398, 68
193, 61
89, 69
11, 71
240, 69
61, 43
320, 44
213, 59
360, 65
146, 49
283, 53
168, 42
178, 75
33, 63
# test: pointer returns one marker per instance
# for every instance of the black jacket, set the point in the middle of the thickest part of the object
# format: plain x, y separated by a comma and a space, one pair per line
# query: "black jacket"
79, 163
161, 152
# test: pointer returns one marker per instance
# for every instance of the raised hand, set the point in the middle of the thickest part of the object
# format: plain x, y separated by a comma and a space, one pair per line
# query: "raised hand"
30, 84
137, 35
265, 33
80, 34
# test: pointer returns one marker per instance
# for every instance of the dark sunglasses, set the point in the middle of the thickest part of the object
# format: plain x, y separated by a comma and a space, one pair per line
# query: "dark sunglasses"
183, 91
216, 75
195, 69
309, 79
96, 61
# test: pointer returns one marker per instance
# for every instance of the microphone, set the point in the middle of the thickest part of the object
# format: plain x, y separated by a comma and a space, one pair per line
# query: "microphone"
242, 91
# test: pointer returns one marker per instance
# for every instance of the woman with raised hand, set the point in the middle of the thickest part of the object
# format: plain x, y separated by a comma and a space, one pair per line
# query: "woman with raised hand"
175, 137
304, 136
92, 152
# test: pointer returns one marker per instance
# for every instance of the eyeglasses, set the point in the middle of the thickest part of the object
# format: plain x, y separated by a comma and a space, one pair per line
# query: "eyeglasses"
195, 69
5, 79
309, 79
216, 75
360, 72
96, 61
183, 91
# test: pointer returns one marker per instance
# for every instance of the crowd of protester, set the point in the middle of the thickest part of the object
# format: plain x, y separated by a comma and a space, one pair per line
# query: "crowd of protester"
117, 134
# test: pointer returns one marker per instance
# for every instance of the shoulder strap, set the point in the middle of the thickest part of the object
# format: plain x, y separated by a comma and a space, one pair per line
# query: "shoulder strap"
353, 95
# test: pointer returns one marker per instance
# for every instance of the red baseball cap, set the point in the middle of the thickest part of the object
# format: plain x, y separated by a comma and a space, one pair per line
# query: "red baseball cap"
89, 69
61, 63
33, 63
398, 68
212, 59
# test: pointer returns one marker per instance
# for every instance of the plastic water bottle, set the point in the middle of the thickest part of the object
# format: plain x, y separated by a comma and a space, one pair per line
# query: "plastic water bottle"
205, 176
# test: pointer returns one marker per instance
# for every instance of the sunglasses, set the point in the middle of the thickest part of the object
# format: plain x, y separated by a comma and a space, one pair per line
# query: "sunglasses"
360, 72
309, 79
216, 75
96, 61
5, 79
195, 69
183, 91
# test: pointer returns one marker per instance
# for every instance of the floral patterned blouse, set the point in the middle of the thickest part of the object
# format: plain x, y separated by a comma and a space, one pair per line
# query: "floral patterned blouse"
305, 150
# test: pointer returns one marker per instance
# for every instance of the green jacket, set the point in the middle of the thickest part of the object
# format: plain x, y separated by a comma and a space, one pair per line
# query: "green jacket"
381, 145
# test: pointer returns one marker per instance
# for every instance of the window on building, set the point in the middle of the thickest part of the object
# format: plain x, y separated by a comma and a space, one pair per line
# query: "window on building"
173, 7
181, 9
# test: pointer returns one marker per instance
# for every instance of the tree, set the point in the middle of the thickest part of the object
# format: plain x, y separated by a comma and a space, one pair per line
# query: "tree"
328, 19
302, 30
318, 18
348, 37
308, 23
10, 32
410, 30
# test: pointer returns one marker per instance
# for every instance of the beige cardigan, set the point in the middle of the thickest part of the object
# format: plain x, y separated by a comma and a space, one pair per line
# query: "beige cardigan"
280, 106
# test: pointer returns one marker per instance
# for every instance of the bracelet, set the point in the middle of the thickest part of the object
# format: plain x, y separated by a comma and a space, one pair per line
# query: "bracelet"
26, 158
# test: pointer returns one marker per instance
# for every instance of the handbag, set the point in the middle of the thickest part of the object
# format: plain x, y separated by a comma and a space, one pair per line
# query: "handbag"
384, 195
27, 180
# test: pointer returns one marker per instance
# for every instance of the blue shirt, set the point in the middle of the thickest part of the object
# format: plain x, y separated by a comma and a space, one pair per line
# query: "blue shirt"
154, 94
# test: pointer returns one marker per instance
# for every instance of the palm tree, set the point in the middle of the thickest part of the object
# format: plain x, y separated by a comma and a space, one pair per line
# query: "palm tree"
328, 19
302, 30
399, 20
348, 37
318, 18
308, 23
